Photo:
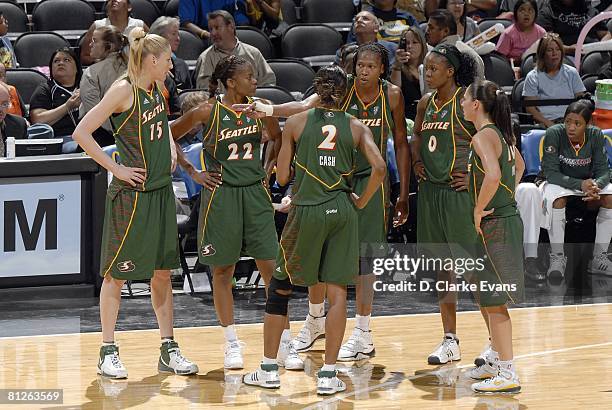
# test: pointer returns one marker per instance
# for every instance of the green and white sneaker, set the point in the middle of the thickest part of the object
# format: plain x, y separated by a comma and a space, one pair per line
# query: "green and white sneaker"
171, 360
109, 364
265, 376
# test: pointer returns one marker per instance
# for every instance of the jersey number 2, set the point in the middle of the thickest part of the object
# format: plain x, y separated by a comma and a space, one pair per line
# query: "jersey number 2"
329, 143
248, 151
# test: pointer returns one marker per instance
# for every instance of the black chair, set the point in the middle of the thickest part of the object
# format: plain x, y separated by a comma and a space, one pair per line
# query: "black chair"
51, 15
589, 82
292, 74
16, 17
516, 99
145, 10
498, 69
594, 61
309, 41
171, 8
191, 46
529, 64
256, 38
337, 13
289, 11
25, 81
34, 49
278, 95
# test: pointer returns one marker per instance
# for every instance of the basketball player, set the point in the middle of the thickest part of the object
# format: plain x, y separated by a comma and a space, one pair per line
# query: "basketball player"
496, 168
440, 148
320, 239
236, 213
379, 105
140, 238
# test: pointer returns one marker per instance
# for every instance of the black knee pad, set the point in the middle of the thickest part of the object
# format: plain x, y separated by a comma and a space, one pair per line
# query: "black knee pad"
277, 303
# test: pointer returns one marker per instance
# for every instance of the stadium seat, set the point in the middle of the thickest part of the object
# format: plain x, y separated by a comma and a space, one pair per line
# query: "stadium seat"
486, 24
593, 62
498, 70
51, 15
608, 134
25, 81
171, 8
532, 150
112, 152
289, 12
337, 13
589, 82
191, 46
257, 38
145, 10
292, 74
277, 95
529, 63
312, 42
34, 49
16, 17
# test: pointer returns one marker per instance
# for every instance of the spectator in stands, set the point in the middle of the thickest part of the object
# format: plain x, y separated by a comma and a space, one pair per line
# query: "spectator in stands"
481, 9
194, 14
414, 7
168, 27
567, 18
517, 38
466, 26
107, 47
192, 100
264, 14
223, 35
506, 8
575, 163
10, 125
56, 102
7, 54
118, 15
551, 79
393, 21
17, 107
405, 72
442, 29
366, 28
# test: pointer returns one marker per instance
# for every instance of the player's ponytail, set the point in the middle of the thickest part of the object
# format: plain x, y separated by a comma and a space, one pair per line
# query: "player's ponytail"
496, 104
583, 107
330, 84
141, 46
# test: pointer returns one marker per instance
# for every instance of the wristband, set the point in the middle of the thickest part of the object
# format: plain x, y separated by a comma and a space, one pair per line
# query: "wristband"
265, 108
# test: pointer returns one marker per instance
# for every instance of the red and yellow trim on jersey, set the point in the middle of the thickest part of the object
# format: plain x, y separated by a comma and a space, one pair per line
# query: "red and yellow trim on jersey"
127, 231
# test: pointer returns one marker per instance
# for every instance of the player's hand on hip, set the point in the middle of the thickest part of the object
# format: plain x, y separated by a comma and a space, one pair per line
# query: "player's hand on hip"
209, 180
478, 215
132, 176
419, 170
460, 181
401, 213
357, 201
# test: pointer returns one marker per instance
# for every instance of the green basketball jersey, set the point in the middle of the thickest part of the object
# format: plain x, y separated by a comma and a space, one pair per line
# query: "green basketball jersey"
232, 146
142, 137
445, 139
324, 157
376, 115
503, 201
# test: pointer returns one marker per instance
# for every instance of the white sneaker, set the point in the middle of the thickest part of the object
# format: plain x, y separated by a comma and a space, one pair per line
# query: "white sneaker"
359, 346
233, 355
601, 265
446, 351
328, 383
482, 357
556, 269
288, 357
109, 364
265, 376
486, 371
171, 360
313, 329
503, 382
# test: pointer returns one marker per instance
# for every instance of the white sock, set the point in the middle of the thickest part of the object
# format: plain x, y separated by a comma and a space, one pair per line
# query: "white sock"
556, 233
603, 231
452, 336
286, 336
265, 360
167, 339
363, 322
507, 365
108, 343
328, 368
316, 309
230, 333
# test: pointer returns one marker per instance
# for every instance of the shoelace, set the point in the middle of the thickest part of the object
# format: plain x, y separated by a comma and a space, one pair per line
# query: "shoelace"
115, 361
179, 358
233, 349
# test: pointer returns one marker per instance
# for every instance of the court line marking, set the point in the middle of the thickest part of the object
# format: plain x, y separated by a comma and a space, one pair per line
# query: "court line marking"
463, 312
397, 380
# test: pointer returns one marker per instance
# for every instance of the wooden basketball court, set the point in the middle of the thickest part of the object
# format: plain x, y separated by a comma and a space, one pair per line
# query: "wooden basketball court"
562, 356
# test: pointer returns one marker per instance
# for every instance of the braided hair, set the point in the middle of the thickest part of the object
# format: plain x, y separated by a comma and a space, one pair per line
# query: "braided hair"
226, 68
463, 65
375, 48
330, 84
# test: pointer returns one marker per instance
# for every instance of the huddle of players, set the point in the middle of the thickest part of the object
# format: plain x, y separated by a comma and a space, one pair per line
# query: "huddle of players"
339, 200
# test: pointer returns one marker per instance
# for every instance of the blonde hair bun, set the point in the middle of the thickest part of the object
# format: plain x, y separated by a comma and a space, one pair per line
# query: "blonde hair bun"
136, 34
